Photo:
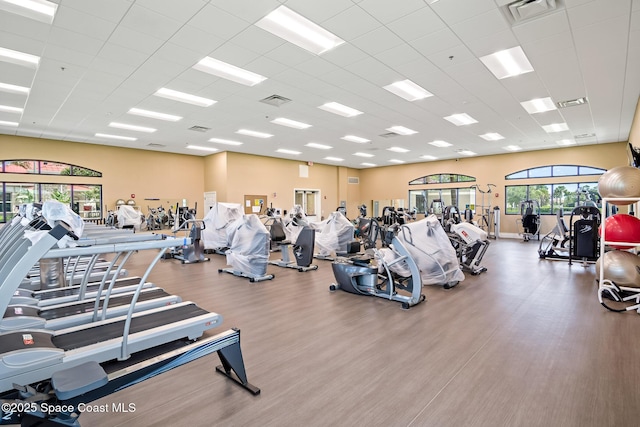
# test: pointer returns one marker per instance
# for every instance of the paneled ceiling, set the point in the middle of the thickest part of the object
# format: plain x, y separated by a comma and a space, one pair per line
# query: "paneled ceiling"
101, 58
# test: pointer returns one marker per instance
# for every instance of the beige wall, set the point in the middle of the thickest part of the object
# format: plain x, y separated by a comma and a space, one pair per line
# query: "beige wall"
173, 177
392, 182
147, 174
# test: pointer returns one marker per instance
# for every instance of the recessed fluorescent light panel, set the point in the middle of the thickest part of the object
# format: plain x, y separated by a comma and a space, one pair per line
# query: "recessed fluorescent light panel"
334, 159
154, 115
11, 124
40, 10
565, 142
225, 141
427, 157
512, 148
132, 127
539, 105
354, 138
122, 138
227, 71
507, 63
408, 90
254, 133
462, 119
368, 164
363, 154
294, 28
401, 130
467, 152
555, 127
319, 146
184, 97
396, 161
285, 151
18, 58
290, 123
441, 144
6, 87
398, 149
8, 109
341, 110
201, 148
491, 136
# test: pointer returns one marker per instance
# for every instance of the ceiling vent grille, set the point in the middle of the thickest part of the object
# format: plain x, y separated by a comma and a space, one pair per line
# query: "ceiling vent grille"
523, 10
353, 180
584, 136
156, 145
572, 102
275, 100
199, 128
389, 135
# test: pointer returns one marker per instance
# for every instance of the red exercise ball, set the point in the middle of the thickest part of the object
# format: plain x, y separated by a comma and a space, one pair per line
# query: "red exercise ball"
622, 228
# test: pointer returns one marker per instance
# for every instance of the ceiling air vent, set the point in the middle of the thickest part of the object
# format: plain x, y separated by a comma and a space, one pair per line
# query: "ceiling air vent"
584, 136
199, 128
572, 102
353, 180
522, 10
275, 100
389, 135
155, 145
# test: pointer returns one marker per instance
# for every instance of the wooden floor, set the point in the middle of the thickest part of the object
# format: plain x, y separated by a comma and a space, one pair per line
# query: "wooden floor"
524, 344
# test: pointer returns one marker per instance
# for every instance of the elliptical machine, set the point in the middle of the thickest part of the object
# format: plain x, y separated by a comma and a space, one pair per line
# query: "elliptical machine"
186, 221
302, 248
360, 277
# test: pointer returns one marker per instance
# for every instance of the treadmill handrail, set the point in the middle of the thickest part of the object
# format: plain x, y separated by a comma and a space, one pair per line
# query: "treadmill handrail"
168, 242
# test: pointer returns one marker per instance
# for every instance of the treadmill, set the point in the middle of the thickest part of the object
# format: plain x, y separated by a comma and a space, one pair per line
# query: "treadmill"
35, 355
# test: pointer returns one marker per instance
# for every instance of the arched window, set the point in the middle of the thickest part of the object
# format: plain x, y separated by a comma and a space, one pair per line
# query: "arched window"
440, 178
555, 171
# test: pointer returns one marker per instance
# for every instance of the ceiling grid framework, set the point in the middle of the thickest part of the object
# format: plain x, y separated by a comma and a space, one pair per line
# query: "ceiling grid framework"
98, 62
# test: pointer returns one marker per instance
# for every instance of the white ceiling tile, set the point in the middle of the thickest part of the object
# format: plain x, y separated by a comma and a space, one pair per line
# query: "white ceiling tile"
25, 27
351, 23
290, 55
116, 68
149, 22
84, 23
67, 56
399, 55
135, 40
218, 22
597, 11
257, 40
180, 11
417, 24
316, 66
452, 57
21, 43
319, 12
502, 40
16, 75
265, 66
377, 41
78, 42
386, 11
113, 10
453, 11
196, 40
344, 55
436, 42
483, 25
115, 53
178, 55
234, 54
247, 10
373, 70
543, 27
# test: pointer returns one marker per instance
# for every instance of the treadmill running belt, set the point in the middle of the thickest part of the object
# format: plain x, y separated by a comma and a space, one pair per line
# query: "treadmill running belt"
99, 333
91, 287
114, 301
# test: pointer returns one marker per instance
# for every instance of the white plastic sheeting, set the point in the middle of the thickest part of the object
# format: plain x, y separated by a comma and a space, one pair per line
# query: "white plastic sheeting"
333, 234
54, 211
219, 217
431, 249
295, 224
248, 246
128, 215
